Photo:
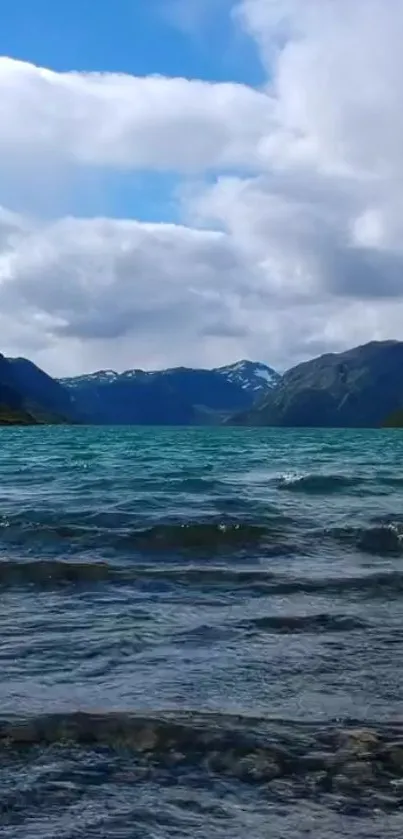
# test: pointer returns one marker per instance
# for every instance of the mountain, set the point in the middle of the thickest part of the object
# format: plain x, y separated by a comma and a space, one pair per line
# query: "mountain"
13, 410
252, 376
44, 395
29, 397
394, 420
359, 388
177, 396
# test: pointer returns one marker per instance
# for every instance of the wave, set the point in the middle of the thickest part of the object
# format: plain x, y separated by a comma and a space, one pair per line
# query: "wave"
205, 537
390, 480
304, 624
53, 573
335, 756
44, 574
317, 484
201, 536
381, 540
372, 586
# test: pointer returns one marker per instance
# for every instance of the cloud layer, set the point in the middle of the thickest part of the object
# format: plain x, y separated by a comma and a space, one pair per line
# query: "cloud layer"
295, 248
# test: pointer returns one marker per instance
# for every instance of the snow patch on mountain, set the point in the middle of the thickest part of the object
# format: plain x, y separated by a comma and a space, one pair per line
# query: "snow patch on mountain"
252, 376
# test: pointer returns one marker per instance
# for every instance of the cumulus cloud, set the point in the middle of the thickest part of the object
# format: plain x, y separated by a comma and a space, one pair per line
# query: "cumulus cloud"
117, 293
302, 254
324, 216
338, 66
116, 120
166, 291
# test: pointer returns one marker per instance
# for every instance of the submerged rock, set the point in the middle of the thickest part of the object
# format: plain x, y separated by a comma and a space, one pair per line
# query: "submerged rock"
360, 742
392, 756
354, 776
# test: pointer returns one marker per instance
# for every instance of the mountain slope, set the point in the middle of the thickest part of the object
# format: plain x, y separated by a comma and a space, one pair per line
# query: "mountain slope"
13, 410
357, 388
28, 396
394, 420
178, 396
44, 395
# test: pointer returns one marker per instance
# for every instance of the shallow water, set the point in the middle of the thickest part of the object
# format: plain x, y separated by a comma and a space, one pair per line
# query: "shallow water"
201, 633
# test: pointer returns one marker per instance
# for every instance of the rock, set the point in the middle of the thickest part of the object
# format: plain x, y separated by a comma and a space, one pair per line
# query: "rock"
260, 765
354, 776
24, 734
316, 762
146, 740
392, 756
360, 742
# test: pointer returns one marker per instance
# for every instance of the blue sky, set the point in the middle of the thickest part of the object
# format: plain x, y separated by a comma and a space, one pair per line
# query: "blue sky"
138, 37
130, 36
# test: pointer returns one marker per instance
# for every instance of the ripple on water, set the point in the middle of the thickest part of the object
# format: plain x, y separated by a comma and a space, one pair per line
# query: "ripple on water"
253, 571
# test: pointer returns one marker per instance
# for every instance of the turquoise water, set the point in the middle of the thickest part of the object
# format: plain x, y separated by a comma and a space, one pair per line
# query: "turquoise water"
193, 623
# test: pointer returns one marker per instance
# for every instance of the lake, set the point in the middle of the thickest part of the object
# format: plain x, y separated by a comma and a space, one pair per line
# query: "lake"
201, 633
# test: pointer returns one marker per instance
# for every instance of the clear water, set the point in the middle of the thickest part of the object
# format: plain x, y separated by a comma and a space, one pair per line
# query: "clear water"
193, 624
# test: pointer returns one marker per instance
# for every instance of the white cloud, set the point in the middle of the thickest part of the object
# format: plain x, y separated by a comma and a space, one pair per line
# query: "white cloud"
144, 293
337, 80
112, 120
324, 217
102, 292
309, 256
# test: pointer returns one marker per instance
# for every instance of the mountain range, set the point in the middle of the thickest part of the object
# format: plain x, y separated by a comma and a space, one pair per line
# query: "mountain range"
361, 388
177, 396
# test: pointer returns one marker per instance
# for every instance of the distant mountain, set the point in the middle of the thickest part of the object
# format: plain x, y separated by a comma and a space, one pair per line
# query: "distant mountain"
359, 388
177, 396
252, 376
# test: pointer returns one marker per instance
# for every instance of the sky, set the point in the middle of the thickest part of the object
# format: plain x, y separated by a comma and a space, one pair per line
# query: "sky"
191, 182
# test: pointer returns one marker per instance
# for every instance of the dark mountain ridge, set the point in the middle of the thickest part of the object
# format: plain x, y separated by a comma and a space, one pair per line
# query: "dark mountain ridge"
45, 396
358, 388
28, 396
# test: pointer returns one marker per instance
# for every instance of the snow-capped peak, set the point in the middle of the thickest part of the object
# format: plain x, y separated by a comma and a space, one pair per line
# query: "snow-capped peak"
251, 375
254, 377
98, 376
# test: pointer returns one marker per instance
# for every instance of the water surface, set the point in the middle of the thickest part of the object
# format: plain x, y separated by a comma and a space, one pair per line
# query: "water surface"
201, 633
